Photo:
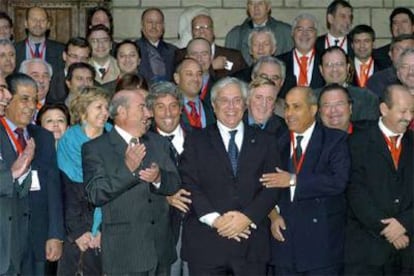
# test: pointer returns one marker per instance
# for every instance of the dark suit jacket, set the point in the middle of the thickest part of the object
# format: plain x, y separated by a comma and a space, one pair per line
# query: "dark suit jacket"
378, 66
206, 172
14, 209
382, 55
315, 219
275, 125
46, 220
166, 51
320, 45
136, 230
54, 52
290, 80
231, 54
58, 90
377, 191
378, 82
208, 111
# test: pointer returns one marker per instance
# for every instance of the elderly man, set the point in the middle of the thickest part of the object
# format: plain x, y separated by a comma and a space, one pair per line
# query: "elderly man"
196, 113
378, 82
37, 45
259, 17
261, 100
261, 43
405, 69
45, 197
339, 17
334, 67
380, 195
309, 225
225, 61
362, 39
41, 72
302, 61
157, 56
128, 172
15, 183
7, 57
229, 204
401, 22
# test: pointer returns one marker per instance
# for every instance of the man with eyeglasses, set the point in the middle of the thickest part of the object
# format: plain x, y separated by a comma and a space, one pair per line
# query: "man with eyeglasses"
258, 12
405, 69
335, 68
302, 61
225, 61
227, 231
77, 49
37, 44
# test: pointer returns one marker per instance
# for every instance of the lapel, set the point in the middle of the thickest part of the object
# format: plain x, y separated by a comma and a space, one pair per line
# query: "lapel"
218, 146
379, 145
407, 143
6, 148
118, 144
314, 149
248, 146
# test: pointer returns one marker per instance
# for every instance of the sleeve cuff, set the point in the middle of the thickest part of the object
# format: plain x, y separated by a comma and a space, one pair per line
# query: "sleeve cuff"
209, 218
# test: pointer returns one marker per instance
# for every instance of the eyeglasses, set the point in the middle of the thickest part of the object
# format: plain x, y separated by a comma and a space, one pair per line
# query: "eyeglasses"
99, 40
273, 78
202, 27
335, 105
334, 64
305, 30
406, 67
225, 102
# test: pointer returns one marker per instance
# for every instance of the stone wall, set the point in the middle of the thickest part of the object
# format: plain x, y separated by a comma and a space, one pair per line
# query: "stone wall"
228, 13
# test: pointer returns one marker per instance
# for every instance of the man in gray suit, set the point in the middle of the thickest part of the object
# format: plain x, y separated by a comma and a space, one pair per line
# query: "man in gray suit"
15, 181
128, 172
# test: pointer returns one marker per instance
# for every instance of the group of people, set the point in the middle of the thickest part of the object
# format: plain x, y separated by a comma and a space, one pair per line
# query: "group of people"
282, 153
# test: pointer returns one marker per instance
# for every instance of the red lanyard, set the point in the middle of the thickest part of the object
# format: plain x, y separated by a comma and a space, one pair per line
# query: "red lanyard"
303, 70
329, 44
16, 143
32, 53
298, 165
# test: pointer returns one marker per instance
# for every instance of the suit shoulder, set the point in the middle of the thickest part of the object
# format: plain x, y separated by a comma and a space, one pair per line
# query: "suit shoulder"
334, 135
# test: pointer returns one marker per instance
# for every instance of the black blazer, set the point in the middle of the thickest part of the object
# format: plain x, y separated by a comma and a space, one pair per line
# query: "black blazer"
290, 80
378, 66
320, 45
206, 172
377, 191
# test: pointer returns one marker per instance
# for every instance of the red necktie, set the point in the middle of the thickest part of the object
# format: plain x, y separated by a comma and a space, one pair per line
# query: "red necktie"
363, 74
303, 72
20, 137
195, 119
395, 153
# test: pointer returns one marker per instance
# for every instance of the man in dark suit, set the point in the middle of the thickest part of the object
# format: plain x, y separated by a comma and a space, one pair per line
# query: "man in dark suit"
77, 49
401, 22
225, 61
227, 229
45, 198
128, 172
302, 61
15, 182
309, 224
196, 113
362, 39
335, 68
339, 17
261, 101
37, 45
380, 225
157, 55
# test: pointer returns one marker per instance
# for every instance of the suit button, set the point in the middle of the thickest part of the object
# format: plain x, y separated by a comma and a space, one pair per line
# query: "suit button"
152, 222
317, 200
315, 220
397, 201
149, 200
10, 218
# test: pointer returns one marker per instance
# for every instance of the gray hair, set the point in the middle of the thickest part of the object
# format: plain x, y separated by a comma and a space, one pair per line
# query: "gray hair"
264, 30
270, 60
25, 64
19, 79
307, 16
406, 52
119, 99
161, 89
222, 83
6, 41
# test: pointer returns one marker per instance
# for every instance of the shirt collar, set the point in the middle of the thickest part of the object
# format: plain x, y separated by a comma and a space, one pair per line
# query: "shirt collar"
124, 134
387, 132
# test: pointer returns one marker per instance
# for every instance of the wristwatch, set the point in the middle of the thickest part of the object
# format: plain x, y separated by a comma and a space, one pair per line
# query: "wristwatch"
292, 181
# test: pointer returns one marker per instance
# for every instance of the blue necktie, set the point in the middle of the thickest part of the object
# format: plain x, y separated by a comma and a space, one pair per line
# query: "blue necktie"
37, 50
233, 151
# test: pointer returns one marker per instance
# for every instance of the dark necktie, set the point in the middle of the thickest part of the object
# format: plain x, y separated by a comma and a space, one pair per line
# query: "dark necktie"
37, 50
173, 152
336, 42
257, 126
133, 141
298, 149
233, 151
20, 137
102, 71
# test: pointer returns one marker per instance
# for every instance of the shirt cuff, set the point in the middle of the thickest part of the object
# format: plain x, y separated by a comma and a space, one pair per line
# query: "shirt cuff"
209, 218
23, 177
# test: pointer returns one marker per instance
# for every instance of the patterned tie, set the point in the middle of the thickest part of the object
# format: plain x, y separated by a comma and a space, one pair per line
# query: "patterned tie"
298, 149
20, 137
303, 74
363, 74
133, 141
233, 151
394, 151
195, 116
37, 50
173, 152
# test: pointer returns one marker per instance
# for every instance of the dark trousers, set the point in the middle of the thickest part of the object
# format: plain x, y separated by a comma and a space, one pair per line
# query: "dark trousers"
391, 267
325, 271
72, 262
234, 267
